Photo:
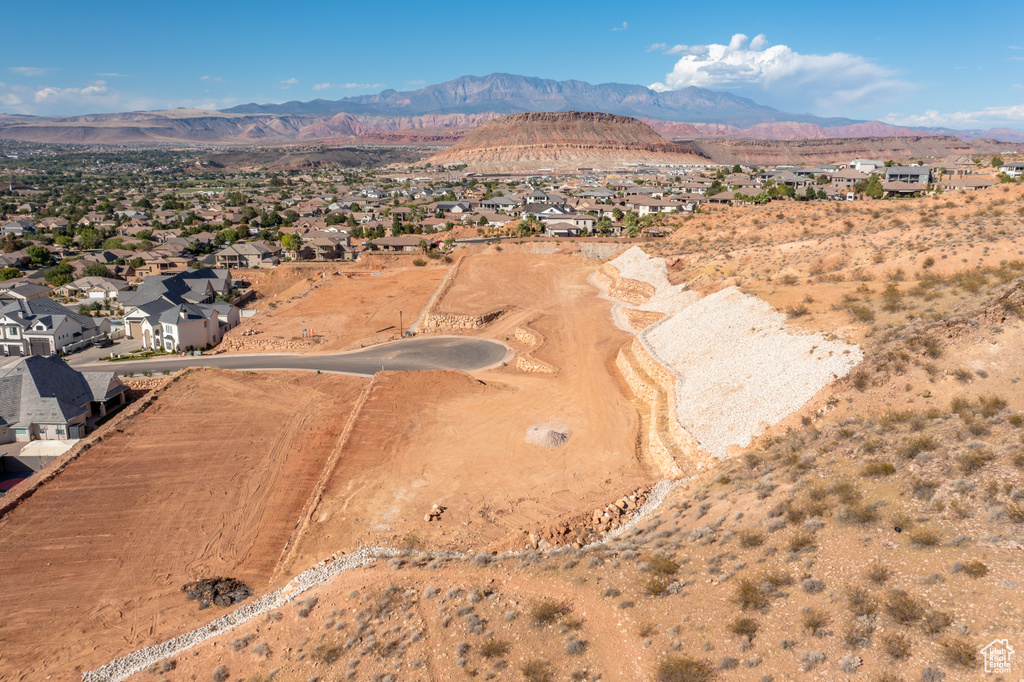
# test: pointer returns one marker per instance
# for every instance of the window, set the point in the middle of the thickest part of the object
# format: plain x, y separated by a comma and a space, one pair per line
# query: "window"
60, 430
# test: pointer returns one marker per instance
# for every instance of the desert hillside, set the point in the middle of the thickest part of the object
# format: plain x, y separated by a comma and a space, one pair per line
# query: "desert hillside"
566, 139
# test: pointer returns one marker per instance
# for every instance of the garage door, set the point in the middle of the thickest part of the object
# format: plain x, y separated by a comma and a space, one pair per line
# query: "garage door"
135, 330
39, 347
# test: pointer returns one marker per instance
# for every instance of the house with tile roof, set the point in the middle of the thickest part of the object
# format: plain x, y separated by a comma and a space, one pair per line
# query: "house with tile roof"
41, 326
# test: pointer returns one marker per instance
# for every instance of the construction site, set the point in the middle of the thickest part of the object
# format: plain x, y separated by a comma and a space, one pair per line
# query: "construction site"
651, 400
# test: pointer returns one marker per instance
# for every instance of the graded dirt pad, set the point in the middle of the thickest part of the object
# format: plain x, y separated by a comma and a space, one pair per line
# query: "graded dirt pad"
93, 563
446, 438
357, 306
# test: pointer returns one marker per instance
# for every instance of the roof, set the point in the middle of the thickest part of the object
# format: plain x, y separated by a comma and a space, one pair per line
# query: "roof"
44, 389
43, 309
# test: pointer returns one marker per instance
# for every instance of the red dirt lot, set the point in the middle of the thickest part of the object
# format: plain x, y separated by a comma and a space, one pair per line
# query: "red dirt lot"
349, 306
94, 561
458, 441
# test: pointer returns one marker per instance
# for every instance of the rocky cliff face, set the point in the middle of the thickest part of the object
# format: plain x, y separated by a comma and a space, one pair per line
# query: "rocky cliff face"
564, 139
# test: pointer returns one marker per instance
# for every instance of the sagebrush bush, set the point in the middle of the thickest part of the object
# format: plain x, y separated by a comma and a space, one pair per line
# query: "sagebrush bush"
744, 627
975, 569
877, 469
924, 537
547, 611
683, 669
935, 622
749, 595
494, 648
959, 652
536, 670
903, 608
814, 621
896, 645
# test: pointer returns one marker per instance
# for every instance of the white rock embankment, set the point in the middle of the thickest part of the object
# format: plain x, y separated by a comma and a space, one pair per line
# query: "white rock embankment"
739, 369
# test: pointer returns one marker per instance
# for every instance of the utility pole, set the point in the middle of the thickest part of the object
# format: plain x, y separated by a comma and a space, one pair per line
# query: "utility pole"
400, 334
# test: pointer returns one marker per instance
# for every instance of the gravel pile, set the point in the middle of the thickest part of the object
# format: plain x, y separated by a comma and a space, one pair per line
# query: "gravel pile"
667, 298
738, 369
633, 263
547, 435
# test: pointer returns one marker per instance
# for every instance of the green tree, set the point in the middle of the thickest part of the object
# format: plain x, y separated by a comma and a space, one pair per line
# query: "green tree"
737, 169
874, 187
9, 273
38, 255
90, 239
617, 214
98, 270
59, 275
997, 161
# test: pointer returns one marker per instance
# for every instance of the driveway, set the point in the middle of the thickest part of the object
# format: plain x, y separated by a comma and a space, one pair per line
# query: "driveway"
91, 355
444, 352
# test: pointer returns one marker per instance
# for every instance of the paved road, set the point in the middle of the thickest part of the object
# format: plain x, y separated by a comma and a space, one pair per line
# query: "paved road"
448, 352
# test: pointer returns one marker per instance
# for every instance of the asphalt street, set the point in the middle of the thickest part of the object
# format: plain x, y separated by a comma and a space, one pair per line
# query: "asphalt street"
449, 352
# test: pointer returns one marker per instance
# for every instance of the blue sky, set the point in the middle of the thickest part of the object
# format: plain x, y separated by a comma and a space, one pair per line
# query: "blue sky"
934, 64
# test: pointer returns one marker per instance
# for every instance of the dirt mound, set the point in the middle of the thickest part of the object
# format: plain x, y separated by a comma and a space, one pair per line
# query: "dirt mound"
569, 139
219, 591
547, 435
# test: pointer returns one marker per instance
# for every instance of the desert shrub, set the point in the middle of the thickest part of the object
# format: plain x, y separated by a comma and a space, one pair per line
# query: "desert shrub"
969, 462
846, 492
860, 379
858, 513
935, 622
877, 469
547, 611
990, 406
903, 608
744, 627
682, 669
419, 262
661, 565
750, 538
959, 652
963, 375
878, 573
896, 645
576, 647
326, 653
655, 587
801, 541
749, 595
912, 447
814, 620
862, 313
536, 671
975, 569
860, 601
220, 673
261, 649
924, 537
494, 648
798, 310
858, 634
923, 489
812, 586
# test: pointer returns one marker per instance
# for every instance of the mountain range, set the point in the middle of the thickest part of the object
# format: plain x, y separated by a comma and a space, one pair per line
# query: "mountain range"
441, 114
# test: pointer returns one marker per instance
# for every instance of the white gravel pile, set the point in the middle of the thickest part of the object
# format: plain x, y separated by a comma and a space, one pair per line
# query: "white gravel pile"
738, 369
633, 263
667, 298
547, 435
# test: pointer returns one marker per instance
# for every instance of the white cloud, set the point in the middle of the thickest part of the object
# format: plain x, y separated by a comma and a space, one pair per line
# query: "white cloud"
832, 82
215, 79
289, 82
28, 70
52, 94
624, 27
322, 86
988, 117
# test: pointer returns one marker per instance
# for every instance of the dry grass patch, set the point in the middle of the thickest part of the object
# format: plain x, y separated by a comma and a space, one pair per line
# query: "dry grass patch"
682, 669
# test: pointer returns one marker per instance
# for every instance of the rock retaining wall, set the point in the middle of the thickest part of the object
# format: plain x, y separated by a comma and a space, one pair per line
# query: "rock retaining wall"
582, 529
670, 447
525, 361
629, 290
440, 322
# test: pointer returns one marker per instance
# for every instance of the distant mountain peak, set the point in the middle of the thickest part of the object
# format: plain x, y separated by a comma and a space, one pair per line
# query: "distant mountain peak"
507, 93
